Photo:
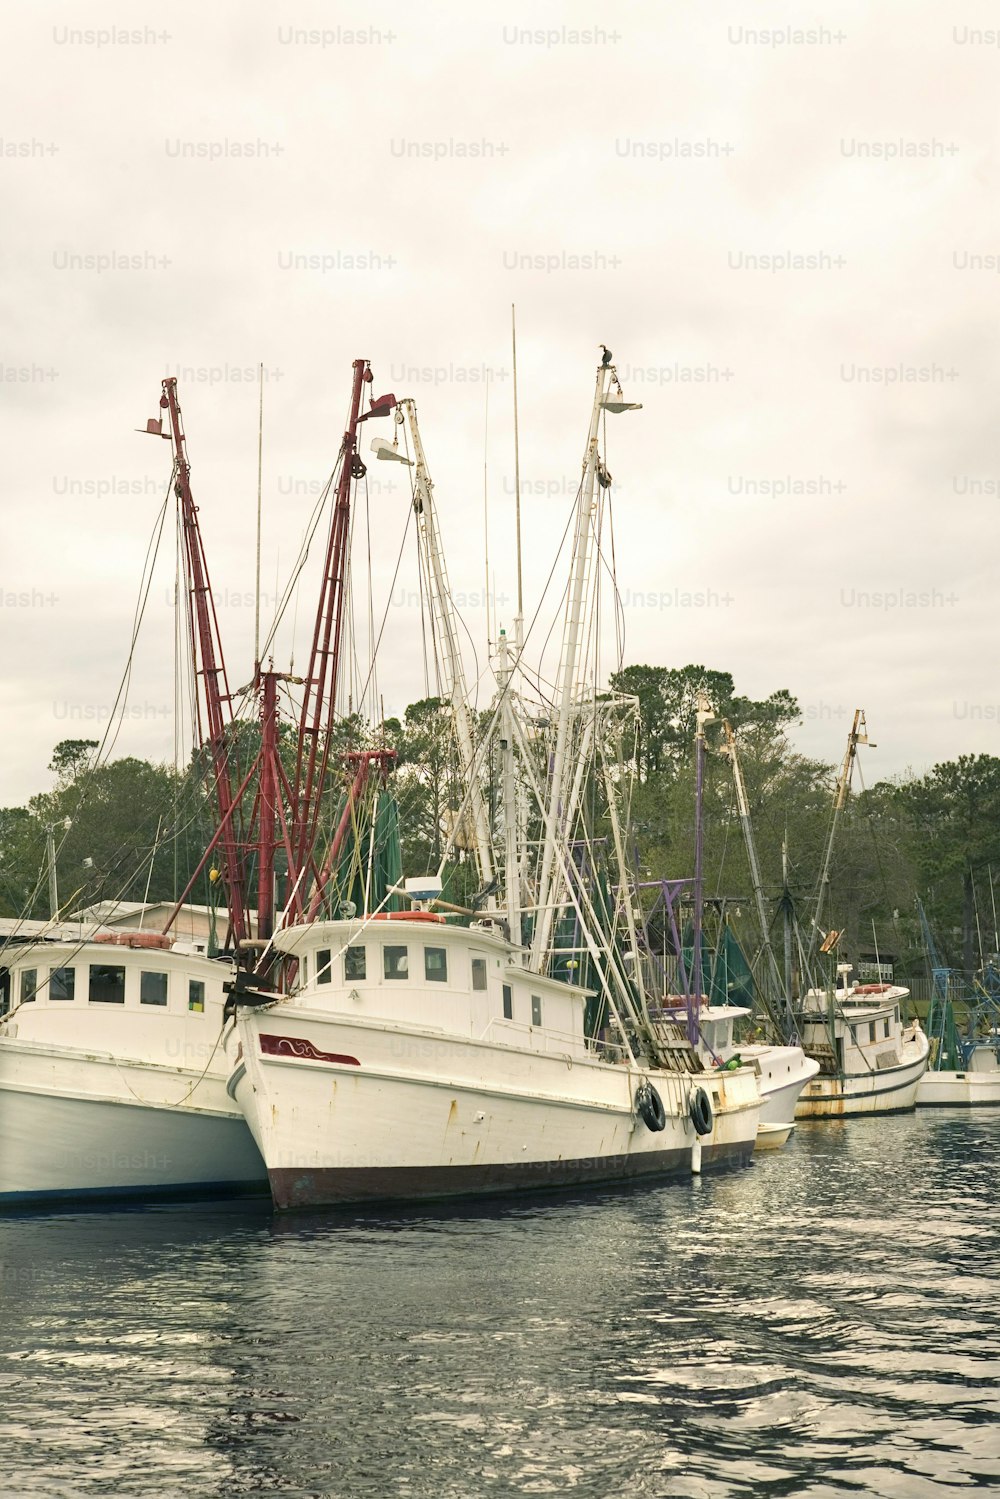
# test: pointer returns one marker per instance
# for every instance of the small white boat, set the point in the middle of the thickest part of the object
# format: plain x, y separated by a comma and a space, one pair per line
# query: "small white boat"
870, 1062
975, 1087
112, 1078
782, 1071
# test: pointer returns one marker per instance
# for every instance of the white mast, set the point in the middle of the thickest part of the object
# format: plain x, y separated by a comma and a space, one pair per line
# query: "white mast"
858, 735
569, 692
446, 621
511, 817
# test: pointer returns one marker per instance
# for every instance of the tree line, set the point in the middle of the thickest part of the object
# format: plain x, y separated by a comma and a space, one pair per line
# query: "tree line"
129, 828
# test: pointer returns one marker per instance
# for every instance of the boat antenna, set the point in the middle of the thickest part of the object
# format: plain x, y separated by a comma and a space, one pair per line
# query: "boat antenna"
519, 621
993, 902
260, 454
878, 960
486, 511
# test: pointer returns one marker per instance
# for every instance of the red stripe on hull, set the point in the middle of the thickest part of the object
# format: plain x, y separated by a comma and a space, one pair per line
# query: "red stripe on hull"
294, 1046
341, 1185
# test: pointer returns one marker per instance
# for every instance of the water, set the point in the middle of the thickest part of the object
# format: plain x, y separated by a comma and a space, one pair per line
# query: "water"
823, 1324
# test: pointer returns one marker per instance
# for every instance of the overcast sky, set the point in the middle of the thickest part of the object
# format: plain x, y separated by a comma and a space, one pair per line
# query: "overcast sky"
783, 222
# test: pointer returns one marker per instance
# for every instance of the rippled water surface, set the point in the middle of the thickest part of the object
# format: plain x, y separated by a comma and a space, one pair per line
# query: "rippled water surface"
825, 1323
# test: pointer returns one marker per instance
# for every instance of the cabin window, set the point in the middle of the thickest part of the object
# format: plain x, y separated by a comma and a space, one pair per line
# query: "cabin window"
395, 962
479, 973
886, 1024
508, 1002
152, 988
196, 995
303, 972
536, 1009
107, 984
871, 1030
29, 983
355, 963
436, 965
323, 965
62, 983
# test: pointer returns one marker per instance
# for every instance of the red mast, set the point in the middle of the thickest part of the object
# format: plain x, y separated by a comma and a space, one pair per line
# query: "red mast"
319, 699
283, 815
209, 666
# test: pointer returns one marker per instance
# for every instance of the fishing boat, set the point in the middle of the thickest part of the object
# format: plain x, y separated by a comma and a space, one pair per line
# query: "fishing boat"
385, 1047
781, 1067
112, 1082
421, 1059
870, 1061
964, 1067
974, 1085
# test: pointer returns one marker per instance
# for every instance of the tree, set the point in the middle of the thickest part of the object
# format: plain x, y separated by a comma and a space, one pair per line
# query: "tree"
70, 757
954, 825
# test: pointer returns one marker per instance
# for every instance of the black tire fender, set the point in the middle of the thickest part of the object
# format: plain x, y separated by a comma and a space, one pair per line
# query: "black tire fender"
701, 1112
649, 1107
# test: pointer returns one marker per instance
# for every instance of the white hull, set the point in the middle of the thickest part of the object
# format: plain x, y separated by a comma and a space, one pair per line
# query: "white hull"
784, 1072
773, 1136
959, 1089
890, 1091
348, 1110
75, 1148
112, 1079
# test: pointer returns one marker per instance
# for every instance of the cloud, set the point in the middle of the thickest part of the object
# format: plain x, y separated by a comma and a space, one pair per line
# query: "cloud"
784, 242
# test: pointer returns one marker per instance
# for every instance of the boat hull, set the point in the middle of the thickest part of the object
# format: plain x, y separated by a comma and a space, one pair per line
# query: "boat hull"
959, 1090
351, 1112
892, 1090
78, 1128
784, 1072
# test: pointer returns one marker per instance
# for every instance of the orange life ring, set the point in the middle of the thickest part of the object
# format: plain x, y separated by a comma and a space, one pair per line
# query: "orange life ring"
408, 916
872, 988
158, 940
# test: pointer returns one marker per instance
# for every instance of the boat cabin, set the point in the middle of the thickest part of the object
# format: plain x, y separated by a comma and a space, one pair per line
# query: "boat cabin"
415, 967
115, 997
856, 1032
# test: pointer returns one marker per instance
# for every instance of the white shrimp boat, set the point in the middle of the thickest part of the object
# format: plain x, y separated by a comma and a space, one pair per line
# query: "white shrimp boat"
870, 1062
383, 1055
421, 1059
112, 1081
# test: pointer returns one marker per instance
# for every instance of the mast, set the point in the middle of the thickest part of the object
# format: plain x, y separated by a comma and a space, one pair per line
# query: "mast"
509, 797
319, 700
452, 668
704, 716
213, 722
786, 923
519, 618
568, 698
50, 855
782, 1021
858, 735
